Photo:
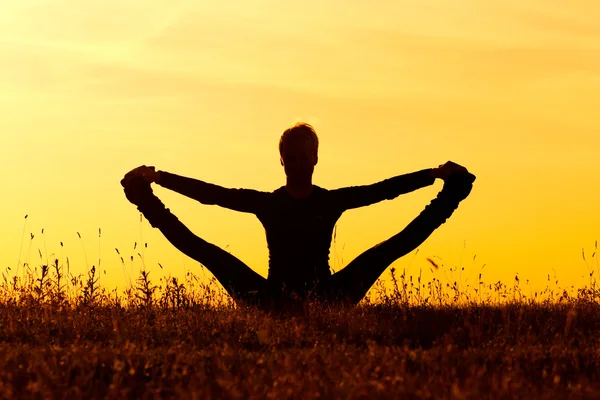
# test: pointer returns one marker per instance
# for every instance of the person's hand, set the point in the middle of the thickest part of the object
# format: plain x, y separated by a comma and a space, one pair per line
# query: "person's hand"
445, 170
149, 174
137, 189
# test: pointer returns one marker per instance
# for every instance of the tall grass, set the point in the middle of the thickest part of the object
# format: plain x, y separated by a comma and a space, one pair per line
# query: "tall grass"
67, 336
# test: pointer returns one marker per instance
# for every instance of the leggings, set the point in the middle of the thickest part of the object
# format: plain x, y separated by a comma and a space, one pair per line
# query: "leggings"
348, 286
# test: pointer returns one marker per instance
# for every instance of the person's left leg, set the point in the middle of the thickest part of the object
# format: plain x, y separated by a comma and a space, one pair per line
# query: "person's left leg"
352, 283
240, 281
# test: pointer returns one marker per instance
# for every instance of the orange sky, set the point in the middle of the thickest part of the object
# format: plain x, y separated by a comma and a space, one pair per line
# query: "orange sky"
508, 89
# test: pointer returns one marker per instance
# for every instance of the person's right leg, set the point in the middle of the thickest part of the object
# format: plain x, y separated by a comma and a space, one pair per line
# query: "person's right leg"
240, 281
353, 282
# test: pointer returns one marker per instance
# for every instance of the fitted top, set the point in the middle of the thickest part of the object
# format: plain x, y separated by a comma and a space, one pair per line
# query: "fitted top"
298, 230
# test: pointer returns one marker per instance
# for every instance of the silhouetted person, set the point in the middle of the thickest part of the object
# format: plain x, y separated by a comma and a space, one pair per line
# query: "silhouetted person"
299, 219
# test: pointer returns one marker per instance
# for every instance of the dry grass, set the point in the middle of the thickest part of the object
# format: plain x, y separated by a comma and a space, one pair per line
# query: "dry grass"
64, 336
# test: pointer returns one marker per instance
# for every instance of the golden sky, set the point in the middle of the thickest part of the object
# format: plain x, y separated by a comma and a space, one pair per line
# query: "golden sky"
509, 89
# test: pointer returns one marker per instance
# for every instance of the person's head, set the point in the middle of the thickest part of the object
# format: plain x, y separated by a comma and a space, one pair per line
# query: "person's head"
298, 150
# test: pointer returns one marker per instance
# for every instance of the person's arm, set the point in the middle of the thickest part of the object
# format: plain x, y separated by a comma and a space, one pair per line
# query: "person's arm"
244, 200
360, 196
235, 276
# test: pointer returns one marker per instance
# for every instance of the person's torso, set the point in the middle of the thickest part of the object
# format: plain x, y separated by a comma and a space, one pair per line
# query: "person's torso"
299, 233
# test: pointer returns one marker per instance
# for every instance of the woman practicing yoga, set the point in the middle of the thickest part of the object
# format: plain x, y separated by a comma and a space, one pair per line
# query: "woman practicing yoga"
299, 219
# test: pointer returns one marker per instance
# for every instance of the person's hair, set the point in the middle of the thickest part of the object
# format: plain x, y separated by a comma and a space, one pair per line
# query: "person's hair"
300, 130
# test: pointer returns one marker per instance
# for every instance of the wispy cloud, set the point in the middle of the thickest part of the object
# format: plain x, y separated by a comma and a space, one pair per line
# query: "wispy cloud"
459, 50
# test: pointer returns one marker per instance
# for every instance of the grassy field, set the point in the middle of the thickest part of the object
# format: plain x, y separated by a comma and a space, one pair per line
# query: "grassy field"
66, 337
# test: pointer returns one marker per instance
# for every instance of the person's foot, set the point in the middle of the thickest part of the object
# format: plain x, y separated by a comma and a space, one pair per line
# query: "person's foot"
458, 185
137, 190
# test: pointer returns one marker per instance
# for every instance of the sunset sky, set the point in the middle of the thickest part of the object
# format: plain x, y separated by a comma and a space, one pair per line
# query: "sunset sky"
509, 89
